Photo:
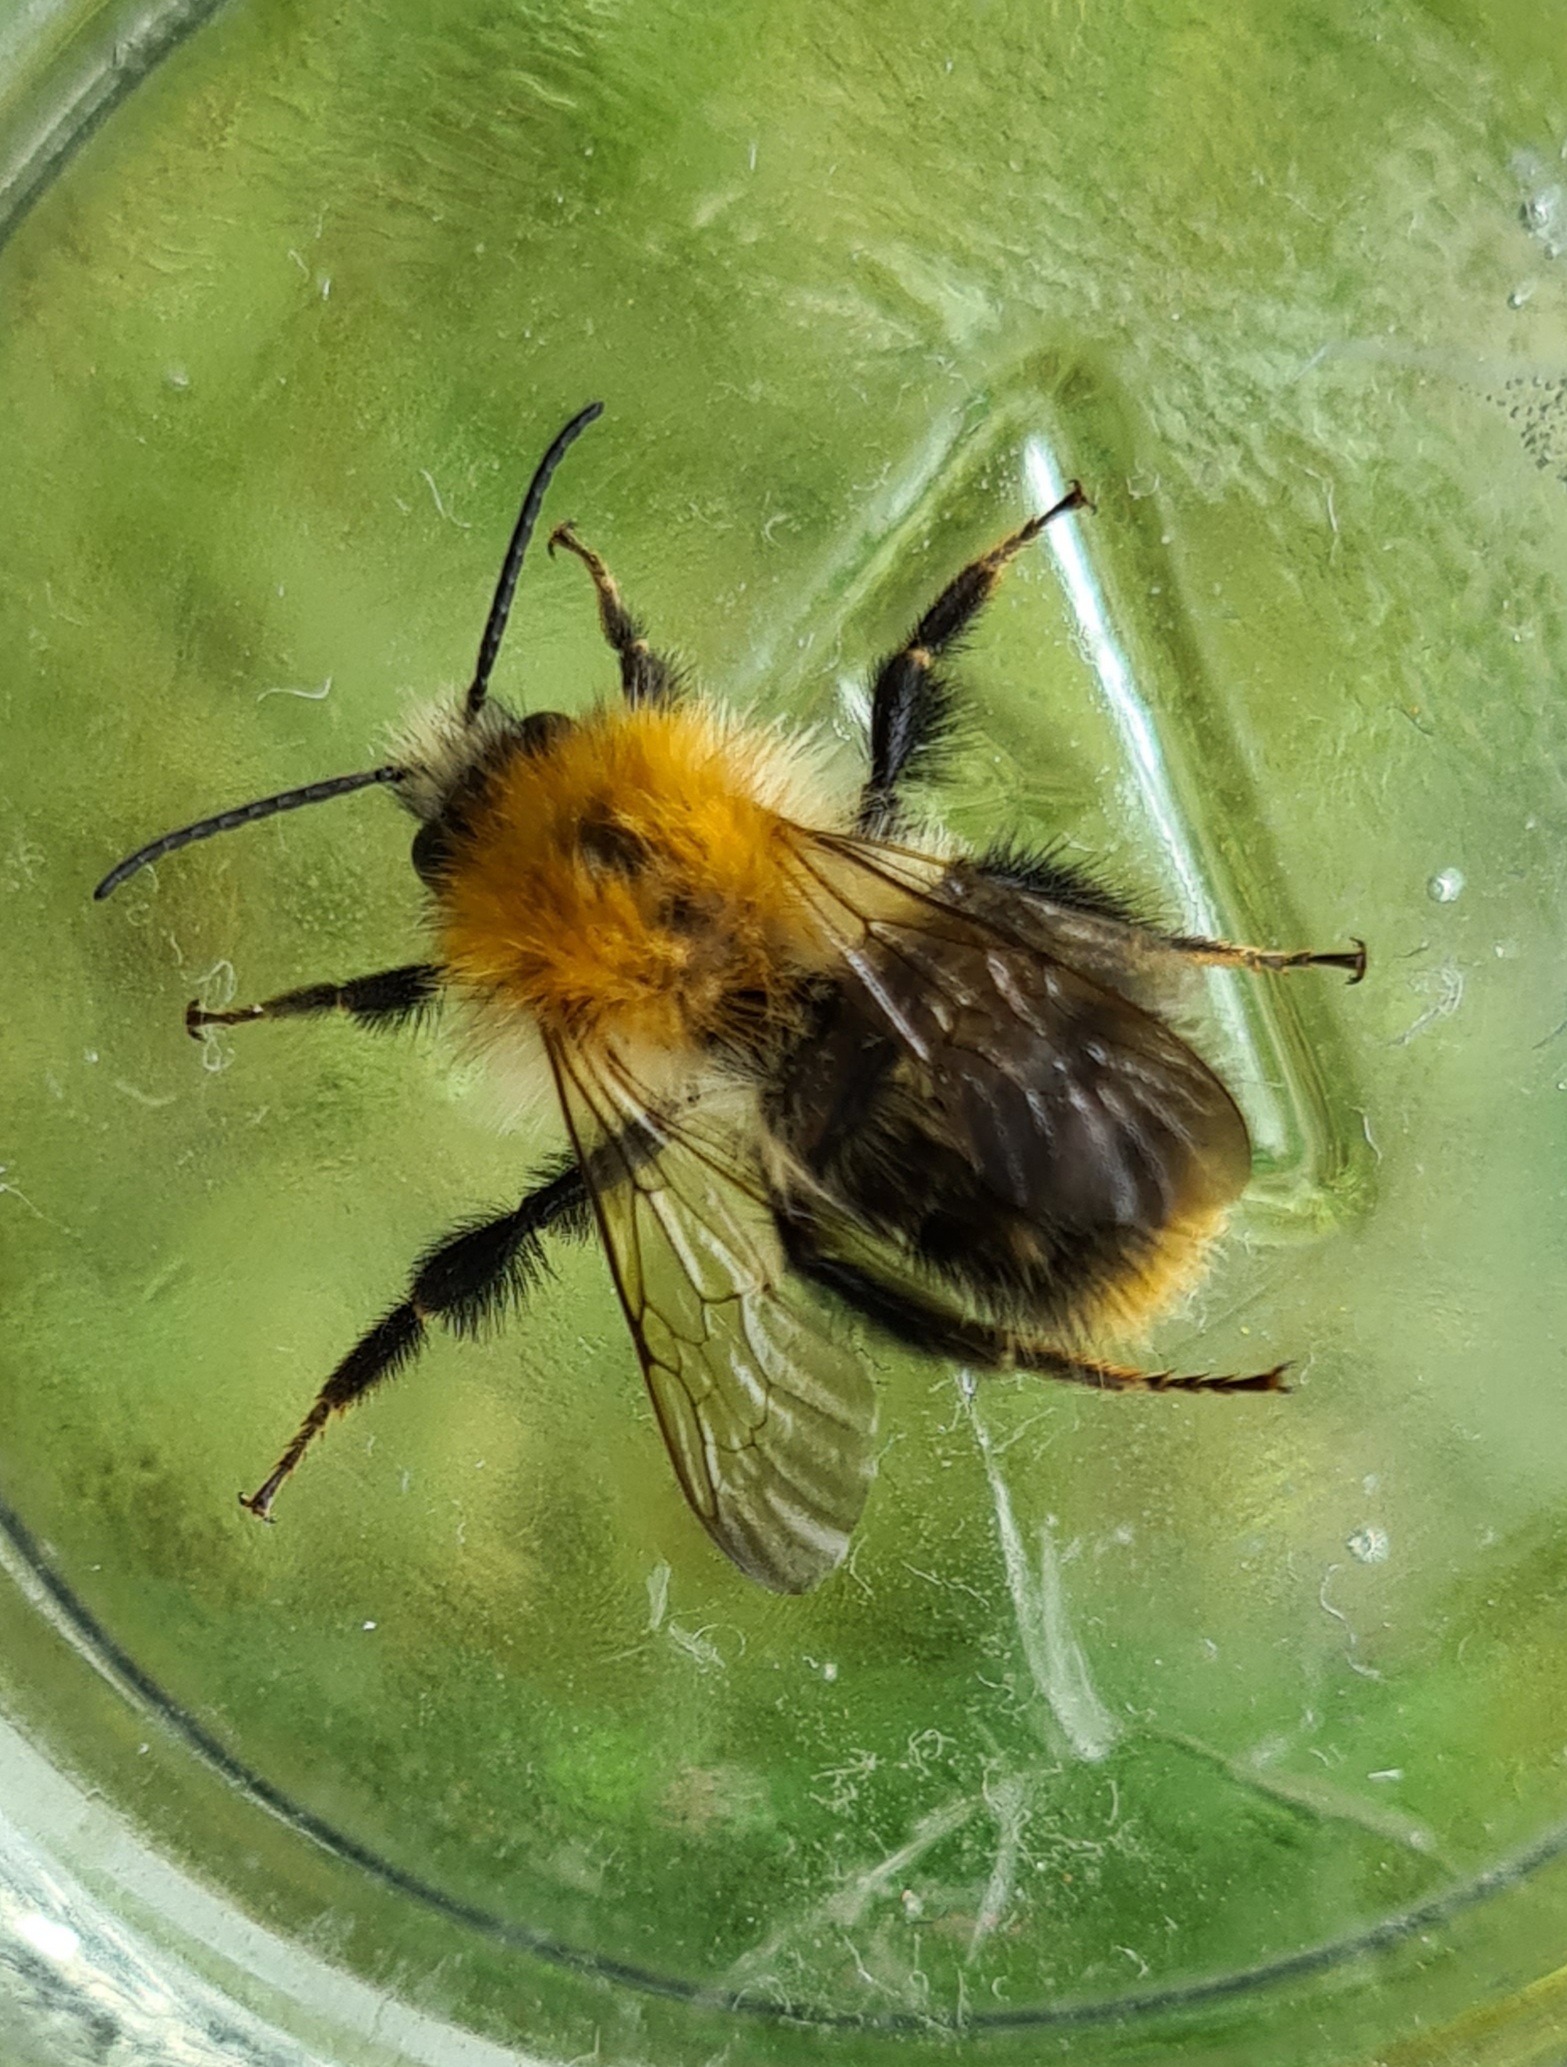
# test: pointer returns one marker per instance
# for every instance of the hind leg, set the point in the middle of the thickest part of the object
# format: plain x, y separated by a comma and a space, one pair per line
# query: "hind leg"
919, 1323
1224, 954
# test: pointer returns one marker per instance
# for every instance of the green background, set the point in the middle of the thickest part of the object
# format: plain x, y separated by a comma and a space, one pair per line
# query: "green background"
277, 352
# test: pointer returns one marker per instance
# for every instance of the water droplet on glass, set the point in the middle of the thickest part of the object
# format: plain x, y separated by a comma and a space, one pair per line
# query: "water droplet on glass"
1540, 210
1369, 1545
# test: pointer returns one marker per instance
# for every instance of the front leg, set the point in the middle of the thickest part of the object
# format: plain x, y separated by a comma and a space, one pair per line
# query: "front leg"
390, 998
645, 676
908, 1317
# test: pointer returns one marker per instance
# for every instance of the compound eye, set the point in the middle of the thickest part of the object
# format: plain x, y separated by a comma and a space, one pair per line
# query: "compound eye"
541, 731
432, 852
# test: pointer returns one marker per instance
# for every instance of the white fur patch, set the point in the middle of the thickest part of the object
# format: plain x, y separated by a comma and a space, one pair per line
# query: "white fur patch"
437, 745
785, 769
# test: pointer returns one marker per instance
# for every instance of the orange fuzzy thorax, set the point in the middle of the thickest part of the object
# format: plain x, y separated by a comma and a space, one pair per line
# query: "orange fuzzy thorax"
634, 882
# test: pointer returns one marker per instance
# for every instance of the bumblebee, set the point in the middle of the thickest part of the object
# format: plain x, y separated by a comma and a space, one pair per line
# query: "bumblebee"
805, 1059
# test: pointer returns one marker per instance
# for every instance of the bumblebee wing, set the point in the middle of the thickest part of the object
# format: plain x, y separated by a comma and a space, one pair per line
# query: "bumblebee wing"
1054, 1098
769, 1422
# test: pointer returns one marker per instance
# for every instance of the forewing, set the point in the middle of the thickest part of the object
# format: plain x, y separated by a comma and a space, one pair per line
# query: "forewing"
1075, 1103
768, 1421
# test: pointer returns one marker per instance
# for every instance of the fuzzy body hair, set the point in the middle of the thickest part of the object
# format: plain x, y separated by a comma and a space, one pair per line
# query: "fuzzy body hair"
441, 750
631, 885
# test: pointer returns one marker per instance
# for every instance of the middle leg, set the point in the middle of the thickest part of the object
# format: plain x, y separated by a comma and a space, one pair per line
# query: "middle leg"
911, 702
463, 1281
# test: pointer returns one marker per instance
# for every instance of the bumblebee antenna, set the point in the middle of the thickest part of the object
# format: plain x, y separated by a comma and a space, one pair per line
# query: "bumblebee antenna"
511, 566
341, 785
242, 814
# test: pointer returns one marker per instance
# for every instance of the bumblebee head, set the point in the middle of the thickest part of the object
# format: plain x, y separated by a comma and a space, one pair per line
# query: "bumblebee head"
448, 761
448, 756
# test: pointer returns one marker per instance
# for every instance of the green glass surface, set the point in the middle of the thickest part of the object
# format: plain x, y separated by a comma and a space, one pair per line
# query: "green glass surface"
1135, 1729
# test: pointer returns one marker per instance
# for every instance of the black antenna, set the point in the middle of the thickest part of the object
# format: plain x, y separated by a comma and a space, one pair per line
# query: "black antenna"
506, 587
341, 785
243, 814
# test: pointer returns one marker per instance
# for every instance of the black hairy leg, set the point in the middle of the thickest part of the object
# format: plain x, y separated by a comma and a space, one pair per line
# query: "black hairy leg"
1225, 954
911, 700
918, 1323
645, 676
467, 1279
389, 998
1045, 872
